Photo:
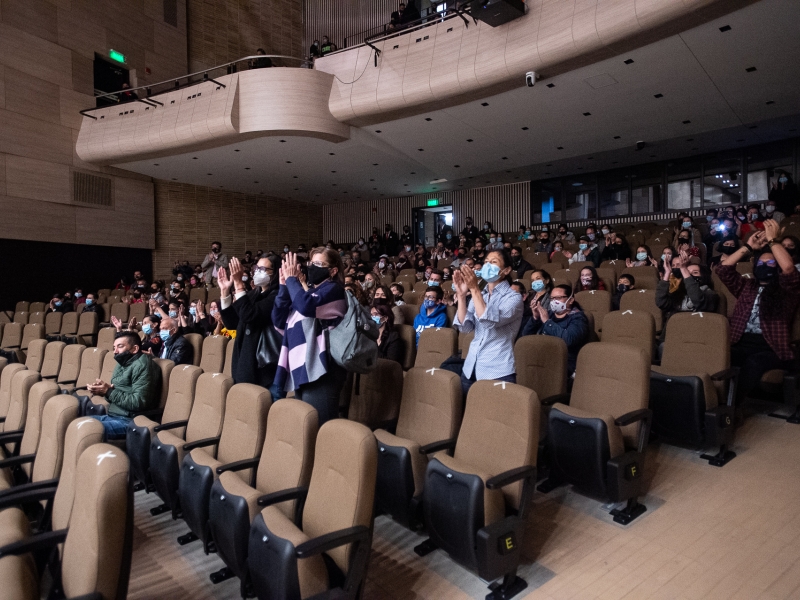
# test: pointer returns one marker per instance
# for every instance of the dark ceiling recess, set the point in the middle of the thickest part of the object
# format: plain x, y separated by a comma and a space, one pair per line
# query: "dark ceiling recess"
629, 61
551, 85
725, 28
524, 129
658, 96
751, 69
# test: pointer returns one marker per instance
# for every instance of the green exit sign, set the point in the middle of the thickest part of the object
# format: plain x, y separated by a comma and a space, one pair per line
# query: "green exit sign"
433, 202
117, 56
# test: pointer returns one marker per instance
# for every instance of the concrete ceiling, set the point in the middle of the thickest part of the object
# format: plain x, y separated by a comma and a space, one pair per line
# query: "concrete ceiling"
701, 91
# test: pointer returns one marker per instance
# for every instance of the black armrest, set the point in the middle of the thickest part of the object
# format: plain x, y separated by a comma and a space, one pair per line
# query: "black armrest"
334, 539
633, 416
10, 436
47, 377
15, 461
92, 596
438, 446
298, 493
173, 425
212, 441
26, 487
14, 497
239, 465
36, 542
3, 420
509, 477
725, 374
550, 400
67, 381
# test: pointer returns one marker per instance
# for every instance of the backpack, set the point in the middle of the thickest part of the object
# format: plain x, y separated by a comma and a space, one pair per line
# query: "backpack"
353, 342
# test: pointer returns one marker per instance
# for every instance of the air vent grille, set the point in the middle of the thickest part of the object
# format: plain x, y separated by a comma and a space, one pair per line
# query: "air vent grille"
92, 190
171, 12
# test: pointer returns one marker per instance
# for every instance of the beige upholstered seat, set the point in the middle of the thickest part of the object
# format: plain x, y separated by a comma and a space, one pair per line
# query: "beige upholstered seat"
597, 303
88, 324
646, 277
105, 338
196, 340
69, 324
71, 357
17, 411
435, 346
6, 376
643, 300
51, 362
228, 366
91, 367
635, 328
376, 396
213, 354
541, 365
35, 355
409, 337
52, 324
138, 311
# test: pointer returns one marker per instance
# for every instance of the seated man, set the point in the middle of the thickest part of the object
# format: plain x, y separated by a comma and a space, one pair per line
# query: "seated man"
176, 348
135, 386
685, 288
60, 304
432, 313
90, 304
565, 319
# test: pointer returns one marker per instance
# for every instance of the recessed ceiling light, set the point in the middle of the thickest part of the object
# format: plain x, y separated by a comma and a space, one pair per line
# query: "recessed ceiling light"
331, 154
658, 96
652, 156
155, 164
208, 173
333, 171
752, 126
547, 172
405, 184
725, 28
616, 137
587, 114
751, 69
524, 129
770, 102
428, 119
469, 140
456, 166
740, 140
590, 158
484, 104
255, 182
283, 141
551, 85
334, 185
236, 150
247, 168
577, 184
690, 140
377, 131
374, 164
460, 185
629, 61
194, 158
549, 165
686, 122
374, 188
560, 148
288, 162
174, 179
294, 176
580, 168
413, 173
295, 189
504, 158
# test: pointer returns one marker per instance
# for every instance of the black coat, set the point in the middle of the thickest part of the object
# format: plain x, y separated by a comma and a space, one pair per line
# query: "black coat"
391, 347
249, 316
179, 350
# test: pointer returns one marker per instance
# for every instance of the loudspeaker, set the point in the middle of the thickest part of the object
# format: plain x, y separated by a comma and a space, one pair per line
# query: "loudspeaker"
497, 12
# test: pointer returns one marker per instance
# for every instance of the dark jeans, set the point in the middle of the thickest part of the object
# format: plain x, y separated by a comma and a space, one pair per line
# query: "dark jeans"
323, 394
467, 383
114, 428
754, 357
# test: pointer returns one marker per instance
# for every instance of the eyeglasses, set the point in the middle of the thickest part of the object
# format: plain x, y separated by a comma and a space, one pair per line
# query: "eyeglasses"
559, 297
316, 263
258, 269
770, 263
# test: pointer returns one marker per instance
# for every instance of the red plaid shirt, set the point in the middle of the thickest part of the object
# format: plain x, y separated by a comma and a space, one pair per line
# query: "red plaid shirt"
776, 329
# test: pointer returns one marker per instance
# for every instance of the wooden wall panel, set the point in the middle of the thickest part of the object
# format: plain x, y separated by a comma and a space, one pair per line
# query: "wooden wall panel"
118, 228
392, 66
80, 34
490, 63
2, 175
2, 87
612, 18
363, 91
82, 74
36, 17
25, 136
70, 103
555, 31
37, 180
35, 56
343, 66
444, 66
584, 26
33, 97
467, 54
25, 219
133, 196
522, 43
417, 75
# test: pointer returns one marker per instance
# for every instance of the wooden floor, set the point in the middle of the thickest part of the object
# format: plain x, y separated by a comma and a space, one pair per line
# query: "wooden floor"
731, 532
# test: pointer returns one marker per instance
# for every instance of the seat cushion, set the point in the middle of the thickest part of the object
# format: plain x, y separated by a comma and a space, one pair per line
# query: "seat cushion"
710, 389
616, 445
203, 459
419, 462
494, 506
14, 526
311, 572
167, 438
141, 421
6, 479
234, 486
19, 578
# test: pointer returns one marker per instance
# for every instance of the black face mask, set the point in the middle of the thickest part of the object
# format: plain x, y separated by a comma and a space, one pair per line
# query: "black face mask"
683, 240
726, 250
676, 273
317, 275
215, 250
622, 288
765, 272
124, 358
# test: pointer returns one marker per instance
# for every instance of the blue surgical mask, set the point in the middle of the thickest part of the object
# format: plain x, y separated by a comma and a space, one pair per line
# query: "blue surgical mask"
147, 328
477, 273
192, 310
583, 246
377, 320
58, 302
428, 304
163, 334
89, 302
687, 225
590, 236
663, 257
709, 217
490, 272
433, 283
492, 240
78, 295
449, 236
173, 313
527, 234
641, 256
537, 286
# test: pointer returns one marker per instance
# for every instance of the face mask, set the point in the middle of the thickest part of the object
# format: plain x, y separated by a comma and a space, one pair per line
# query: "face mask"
727, 250
164, 335
213, 312
515, 258
215, 250
192, 310
490, 272
709, 218
683, 240
317, 275
361, 242
663, 258
741, 217
770, 209
433, 284
545, 228
622, 288
382, 265
449, 236
753, 216
477, 273
676, 273
147, 329
173, 313
586, 281
377, 320
765, 272
605, 231
79, 295
686, 225
89, 301
123, 358
428, 304
261, 279
558, 306
590, 236
641, 256
537, 286
368, 283
485, 226
245, 278
782, 179
286, 248
408, 248
527, 234
492, 240
58, 303
583, 246
179, 278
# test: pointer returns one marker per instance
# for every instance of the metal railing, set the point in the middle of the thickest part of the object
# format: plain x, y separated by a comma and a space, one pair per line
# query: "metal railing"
256, 61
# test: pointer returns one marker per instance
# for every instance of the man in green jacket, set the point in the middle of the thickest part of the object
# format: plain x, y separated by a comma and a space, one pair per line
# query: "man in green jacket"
135, 386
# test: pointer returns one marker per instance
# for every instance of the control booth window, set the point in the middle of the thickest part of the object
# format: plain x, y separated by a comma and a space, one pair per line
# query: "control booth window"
683, 187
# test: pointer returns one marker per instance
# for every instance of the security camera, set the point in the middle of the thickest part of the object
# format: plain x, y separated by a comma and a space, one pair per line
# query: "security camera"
640, 145
530, 78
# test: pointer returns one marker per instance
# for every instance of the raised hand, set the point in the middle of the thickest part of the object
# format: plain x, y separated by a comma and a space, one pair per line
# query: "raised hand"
758, 240
771, 229
459, 284
132, 323
292, 269
236, 270
470, 280
201, 308
116, 323
653, 262
223, 280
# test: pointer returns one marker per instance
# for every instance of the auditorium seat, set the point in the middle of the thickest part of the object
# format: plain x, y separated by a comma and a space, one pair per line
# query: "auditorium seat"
409, 337
196, 340
70, 365
52, 325
608, 277
616, 265
597, 440
11, 342
6, 377
476, 501
568, 276
98, 405
16, 411
213, 353
88, 324
375, 398
634, 328
247, 407
21, 317
38, 307
34, 357
69, 326
410, 312
643, 301
36, 318
412, 298
120, 310
464, 341
596, 302
430, 413
213, 295
285, 555
105, 338
51, 361
138, 311
198, 293
557, 261
541, 365
645, 277
436, 345
228, 366
91, 366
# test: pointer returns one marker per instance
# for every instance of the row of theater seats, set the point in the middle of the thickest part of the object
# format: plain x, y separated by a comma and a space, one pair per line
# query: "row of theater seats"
69, 327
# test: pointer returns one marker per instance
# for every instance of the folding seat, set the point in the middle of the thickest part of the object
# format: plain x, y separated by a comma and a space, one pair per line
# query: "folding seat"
11, 342
91, 367
176, 408
410, 312
52, 325
34, 358
598, 438
541, 365
445, 262
409, 337
430, 413
138, 311
79, 309
104, 292
196, 340
228, 367
97, 544
609, 278
464, 341
596, 302
435, 346
407, 273
327, 545
692, 392
617, 265
538, 259
6, 376
213, 295
98, 405
69, 326
557, 261
121, 310
198, 293
70, 365
242, 436
569, 276
106, 337
38, 307
447, 286
6, 316
476, 501
36, 318
285, 463
646, 277
88, 324
634, 328
420, 287
168, 449
15, 412
21, 317
213, 354
643, 301
375, 398
412, 298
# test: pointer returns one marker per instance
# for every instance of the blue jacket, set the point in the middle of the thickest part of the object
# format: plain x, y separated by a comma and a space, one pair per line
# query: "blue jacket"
438, 318
573, 329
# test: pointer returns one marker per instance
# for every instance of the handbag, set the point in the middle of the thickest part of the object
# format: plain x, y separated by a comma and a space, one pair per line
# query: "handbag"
269, 347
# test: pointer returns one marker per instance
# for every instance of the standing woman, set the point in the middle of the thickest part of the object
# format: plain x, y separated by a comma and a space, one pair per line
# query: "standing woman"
305, 365
249, 313
494, 314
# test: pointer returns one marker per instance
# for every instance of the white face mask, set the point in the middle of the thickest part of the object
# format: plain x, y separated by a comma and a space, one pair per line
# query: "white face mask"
261, 279
769, 209
558, 306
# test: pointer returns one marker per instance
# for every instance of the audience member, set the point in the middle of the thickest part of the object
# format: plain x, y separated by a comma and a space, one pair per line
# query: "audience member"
541, 286
752, 224
625, 284
685, 288
397, 290
587, 251
383, 295
589, 280
60, 304
771, 212
90, 303
544, 244
617, 248
260, 63
564, 235
213, 262
784, 193
792, 245
176, 347
152, 342
432, 313
470, 231
390, 346
643, 258
327, 46
314, 51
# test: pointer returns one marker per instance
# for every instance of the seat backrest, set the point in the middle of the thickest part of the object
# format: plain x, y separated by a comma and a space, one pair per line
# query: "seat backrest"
87, 327
81, 434
213, 295
139, 311
616, 266
91, 366
431, 407
109, 364
412, 298
596, 302
6, 316
464, 341
612, 387
228, 366
541, 364
35, 355
409, 337
646, 277
436, 345
569, 276
6, 376
634, 328
608, 277
341, 492
105, 338
38, 396
208, 408
52, 323
696, 343
642, 300
100, 533
198, 293
213, 354
12, 335
288, 452
166, 367
70, 362
104, 292
410, 312
121, 310
180, 396
376, 395
37, 318
246, 409
21, 385
21, 317
30, 333
38, 307
69, 323
196, 340
420, 287
59, 412
500, 430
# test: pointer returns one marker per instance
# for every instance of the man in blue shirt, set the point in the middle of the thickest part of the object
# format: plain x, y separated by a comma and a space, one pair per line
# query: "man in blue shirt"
432, 313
